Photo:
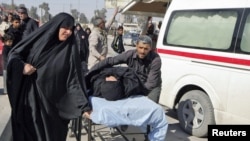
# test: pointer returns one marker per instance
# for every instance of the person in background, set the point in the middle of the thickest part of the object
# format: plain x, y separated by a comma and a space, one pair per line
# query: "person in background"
10, 15
117, 43
83, 46
144, 61
8, 41
149, 29
157, 35
159, 25
44, 82
98, 42
88, 31
28, 24
4, 24
15, 29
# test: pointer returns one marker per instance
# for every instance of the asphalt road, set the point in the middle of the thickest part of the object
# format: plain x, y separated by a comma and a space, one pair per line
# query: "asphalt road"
175, 133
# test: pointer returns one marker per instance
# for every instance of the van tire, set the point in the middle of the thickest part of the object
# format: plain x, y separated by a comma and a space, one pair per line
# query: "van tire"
201, 110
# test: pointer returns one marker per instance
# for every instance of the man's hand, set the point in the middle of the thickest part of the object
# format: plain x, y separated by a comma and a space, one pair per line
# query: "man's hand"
110, 78
87, 114
116, 10
28, 69
102, 58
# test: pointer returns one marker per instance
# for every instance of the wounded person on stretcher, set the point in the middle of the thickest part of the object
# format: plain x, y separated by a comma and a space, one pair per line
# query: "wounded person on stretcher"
118, 98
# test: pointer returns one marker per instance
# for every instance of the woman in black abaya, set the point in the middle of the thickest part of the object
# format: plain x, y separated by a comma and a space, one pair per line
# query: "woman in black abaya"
45, 83
83, 46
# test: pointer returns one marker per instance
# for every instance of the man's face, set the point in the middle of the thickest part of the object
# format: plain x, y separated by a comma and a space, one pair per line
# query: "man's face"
102, 25
22, 15
120, 31
64, 33
142, 49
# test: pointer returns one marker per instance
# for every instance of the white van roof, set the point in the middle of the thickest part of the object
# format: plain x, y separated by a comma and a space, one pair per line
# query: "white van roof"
154, 8
208, 4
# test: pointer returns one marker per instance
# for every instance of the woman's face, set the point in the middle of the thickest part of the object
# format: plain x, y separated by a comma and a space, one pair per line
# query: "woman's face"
87, 31
78, 27
64, 33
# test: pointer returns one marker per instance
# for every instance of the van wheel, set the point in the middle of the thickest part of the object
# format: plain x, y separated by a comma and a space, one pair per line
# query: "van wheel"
195, 113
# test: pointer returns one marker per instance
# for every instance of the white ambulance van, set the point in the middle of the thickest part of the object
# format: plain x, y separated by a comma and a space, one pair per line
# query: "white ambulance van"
205, 50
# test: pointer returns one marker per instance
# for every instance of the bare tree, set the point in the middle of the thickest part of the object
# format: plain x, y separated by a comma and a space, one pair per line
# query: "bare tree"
75, 14
103, 13
100, 13
128, 18
5, 8
141, 20
33, 13
83, 18
46, 16
22, 5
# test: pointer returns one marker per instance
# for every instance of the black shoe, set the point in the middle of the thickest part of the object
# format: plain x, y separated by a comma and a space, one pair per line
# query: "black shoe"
124, 128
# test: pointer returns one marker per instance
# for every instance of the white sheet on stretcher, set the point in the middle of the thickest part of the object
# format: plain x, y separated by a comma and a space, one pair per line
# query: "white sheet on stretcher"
136, 110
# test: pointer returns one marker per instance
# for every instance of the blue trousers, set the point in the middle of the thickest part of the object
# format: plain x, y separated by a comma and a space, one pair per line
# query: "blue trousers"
138, 111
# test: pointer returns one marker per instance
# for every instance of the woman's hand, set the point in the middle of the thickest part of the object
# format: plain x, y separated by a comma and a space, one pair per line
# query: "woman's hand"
28, 69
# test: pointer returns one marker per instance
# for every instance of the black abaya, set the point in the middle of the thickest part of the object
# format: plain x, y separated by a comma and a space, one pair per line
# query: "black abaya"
44, 102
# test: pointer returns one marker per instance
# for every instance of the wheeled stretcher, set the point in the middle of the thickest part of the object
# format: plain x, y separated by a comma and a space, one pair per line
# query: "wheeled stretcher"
136, 111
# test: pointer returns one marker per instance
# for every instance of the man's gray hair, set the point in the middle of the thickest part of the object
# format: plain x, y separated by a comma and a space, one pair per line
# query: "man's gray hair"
97, 21
145, 40
22, 10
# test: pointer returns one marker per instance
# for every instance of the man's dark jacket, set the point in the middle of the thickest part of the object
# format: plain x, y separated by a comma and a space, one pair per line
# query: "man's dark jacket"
130, 82
28, 25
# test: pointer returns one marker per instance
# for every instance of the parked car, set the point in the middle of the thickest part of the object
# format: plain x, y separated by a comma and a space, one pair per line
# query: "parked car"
130, 38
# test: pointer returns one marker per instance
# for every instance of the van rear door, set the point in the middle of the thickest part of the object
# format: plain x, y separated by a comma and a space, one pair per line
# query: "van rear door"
154, 8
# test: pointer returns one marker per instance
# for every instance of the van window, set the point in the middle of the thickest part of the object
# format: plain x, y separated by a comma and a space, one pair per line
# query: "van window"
207, 29
245, 42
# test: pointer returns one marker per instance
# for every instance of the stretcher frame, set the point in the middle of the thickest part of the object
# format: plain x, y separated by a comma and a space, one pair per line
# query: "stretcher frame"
77, 130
